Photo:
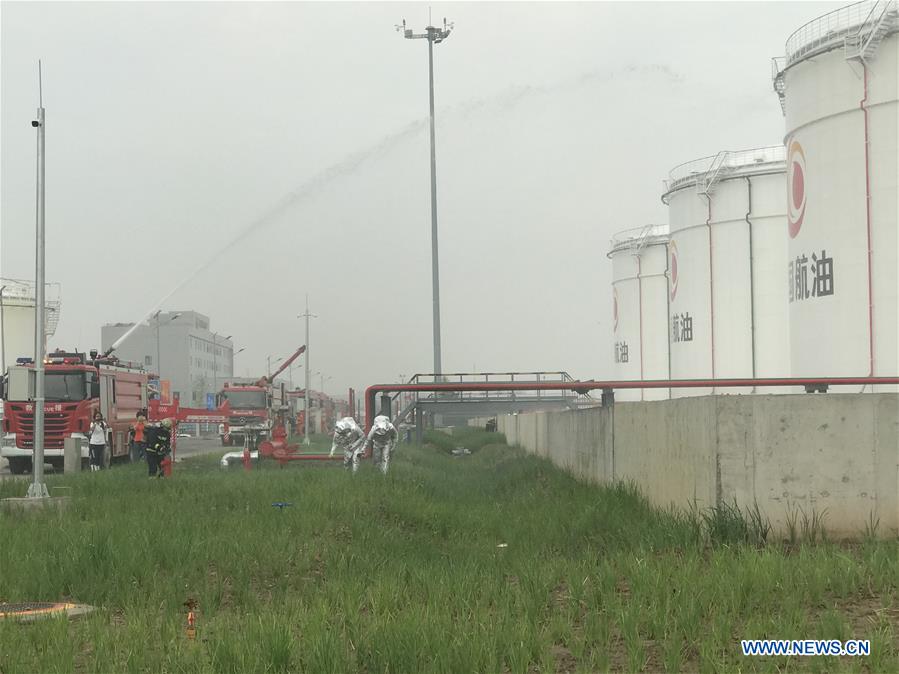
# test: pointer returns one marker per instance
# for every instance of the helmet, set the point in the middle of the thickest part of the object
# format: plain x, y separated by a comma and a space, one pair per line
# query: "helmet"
381, 424
343, 426
167, 423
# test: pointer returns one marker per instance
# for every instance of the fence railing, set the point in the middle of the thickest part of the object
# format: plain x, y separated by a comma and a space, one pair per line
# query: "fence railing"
830, 28
693, 171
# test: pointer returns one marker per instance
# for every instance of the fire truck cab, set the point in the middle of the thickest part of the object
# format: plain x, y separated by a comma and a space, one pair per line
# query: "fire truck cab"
249, 416
74, 388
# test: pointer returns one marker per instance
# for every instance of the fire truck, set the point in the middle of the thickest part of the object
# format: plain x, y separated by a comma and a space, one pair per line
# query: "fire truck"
253, 408
75, 387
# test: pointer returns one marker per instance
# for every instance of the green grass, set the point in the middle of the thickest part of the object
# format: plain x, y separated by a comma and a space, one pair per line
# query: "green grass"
404, 574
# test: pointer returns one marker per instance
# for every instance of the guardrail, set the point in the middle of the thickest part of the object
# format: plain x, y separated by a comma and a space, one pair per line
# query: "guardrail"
693, 170
828, 29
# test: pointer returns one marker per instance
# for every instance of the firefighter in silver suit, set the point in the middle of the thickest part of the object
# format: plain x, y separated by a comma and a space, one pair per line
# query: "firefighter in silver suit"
350, 438
383, 437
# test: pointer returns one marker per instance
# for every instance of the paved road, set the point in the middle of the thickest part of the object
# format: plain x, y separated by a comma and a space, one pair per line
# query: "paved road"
186, 447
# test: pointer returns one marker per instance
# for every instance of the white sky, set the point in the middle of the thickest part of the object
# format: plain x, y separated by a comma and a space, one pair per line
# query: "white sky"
172, 127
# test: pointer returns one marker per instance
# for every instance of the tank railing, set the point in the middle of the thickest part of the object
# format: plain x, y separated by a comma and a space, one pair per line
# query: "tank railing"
826, 29
723, 161
636, 237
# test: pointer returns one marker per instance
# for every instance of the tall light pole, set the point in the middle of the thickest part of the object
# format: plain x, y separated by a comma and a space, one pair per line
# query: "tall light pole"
37, 489
215, 369
290, 374
158, 353
269, 360
234, 353
433, 36
307, 316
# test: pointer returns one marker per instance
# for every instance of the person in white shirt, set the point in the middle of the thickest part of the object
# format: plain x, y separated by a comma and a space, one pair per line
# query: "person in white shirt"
348, 436
97, 441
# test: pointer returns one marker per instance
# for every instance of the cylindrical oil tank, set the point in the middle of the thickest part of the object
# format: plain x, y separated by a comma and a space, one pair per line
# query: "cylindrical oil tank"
639, 308
17, 317
838, 87
728, 313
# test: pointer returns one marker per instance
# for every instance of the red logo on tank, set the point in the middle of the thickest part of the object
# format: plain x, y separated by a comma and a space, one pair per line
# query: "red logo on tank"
672, 267
615, 309
795, 188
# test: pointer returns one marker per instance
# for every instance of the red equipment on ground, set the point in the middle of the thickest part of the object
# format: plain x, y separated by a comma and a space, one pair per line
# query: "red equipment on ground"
157, 411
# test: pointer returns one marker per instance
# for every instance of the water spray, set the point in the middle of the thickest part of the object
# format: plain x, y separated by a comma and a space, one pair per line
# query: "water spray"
506, 99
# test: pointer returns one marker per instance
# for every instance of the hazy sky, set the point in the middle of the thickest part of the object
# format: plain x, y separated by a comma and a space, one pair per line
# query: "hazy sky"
174, 127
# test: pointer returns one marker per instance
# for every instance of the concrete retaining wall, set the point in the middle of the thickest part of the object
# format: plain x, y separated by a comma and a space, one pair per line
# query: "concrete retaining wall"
833, 453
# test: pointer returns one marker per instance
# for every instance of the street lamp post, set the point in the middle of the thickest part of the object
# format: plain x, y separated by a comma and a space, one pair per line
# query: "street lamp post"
233, 354
433, 36
158, 352
269, 361
215, 369
323, 380
37, 489
307, 316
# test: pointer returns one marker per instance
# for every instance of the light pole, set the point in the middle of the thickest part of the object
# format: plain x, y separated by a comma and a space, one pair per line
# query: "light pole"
433, 36
290, 374
2, 336
215, 369
158, 354
269, 361
240, 350
37, 489
307, 316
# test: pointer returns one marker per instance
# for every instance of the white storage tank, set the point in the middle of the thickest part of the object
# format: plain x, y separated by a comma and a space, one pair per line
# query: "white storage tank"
17, 316
838, 88
728, 315
640, 308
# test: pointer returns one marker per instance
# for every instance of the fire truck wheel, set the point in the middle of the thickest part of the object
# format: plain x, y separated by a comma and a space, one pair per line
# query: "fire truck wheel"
19, 465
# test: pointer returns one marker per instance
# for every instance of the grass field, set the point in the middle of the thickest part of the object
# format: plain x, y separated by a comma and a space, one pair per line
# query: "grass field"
487, 563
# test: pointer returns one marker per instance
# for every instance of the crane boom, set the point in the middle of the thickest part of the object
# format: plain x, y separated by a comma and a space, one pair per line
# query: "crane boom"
287, 362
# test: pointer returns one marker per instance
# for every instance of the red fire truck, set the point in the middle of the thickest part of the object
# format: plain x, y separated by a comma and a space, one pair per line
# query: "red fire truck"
253, 407
75, 387
249, 413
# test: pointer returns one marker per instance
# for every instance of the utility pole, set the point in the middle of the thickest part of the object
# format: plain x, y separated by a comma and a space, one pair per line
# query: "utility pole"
307, 316
433, 36
38, 489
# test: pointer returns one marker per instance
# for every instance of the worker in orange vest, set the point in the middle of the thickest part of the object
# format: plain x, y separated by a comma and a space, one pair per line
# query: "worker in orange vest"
138, 435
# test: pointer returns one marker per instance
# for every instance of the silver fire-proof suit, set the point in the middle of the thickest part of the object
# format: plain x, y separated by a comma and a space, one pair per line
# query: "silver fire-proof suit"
349, 437
383, 437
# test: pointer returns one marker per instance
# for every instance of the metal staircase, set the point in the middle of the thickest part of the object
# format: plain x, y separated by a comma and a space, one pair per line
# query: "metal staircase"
882, 20
17, 290
778, 63
706, 183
